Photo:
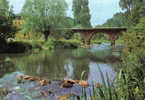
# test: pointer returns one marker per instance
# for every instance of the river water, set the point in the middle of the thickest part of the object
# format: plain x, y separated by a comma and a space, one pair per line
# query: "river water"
59, 64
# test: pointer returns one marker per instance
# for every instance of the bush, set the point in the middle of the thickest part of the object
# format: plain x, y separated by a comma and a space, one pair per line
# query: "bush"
70, 44
61, 43
49, 44
133, 77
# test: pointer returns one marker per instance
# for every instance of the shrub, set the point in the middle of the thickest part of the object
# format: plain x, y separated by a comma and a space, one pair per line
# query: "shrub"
134, 62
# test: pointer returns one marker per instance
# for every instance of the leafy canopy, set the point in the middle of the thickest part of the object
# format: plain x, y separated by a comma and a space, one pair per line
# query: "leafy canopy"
81, 13
118, 20
6, 17
43, 15
134, 10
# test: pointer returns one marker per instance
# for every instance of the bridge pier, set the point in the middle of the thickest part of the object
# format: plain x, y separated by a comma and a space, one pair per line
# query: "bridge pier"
86, 37
112, 38
87, 33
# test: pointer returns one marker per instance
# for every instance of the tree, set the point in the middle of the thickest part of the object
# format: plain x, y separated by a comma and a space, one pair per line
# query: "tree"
141, 23
118, 20
6, 25
134, 10
133, 60
42, 16
4, 5
81, 13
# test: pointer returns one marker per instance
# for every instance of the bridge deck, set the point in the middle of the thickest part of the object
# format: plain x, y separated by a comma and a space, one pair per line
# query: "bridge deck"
96, 30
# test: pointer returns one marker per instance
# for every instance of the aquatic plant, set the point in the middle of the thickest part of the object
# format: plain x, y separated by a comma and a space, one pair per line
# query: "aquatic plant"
113, 91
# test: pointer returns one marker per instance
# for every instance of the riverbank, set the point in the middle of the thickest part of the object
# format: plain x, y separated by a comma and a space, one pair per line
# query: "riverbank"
26, 45
16, 47
52, 43
22, 46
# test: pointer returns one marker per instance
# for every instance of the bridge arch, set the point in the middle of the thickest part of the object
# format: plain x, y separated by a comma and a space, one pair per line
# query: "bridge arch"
87, 33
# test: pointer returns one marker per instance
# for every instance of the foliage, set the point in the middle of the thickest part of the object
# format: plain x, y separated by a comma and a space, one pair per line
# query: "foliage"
131, 4
7, 29
133, 61
118, 20
49, 44
141, 24
131, 79
72, 43
61, 43
81, 13
134, 10
6, 16
99, 41
42, 16
4, 5
109, 91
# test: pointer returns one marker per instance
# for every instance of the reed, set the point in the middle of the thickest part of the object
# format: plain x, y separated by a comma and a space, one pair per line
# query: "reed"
109, 90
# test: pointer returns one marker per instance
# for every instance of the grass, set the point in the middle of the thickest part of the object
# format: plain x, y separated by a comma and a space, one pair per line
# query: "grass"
30, 41
99, 41
105, 92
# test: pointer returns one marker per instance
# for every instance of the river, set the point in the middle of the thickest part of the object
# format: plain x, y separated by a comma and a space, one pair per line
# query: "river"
57, 65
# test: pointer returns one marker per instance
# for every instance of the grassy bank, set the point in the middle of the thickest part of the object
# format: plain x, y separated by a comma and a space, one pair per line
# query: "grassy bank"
52, 43
99, 41
63, 43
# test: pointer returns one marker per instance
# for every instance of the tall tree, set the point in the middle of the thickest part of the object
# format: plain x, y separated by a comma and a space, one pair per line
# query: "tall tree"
134, 10
4, 5
6, 27
81, 13
43, 15
118, 20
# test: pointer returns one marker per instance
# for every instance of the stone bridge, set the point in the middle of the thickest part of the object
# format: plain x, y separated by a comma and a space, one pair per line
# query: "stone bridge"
87, 33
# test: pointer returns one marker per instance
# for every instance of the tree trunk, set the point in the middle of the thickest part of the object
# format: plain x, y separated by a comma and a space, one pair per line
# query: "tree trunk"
3, 44
46, 34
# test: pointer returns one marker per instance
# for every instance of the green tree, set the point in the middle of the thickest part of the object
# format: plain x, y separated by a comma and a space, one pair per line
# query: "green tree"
81, 13
141, 24
131, 83
134, 10
4, 5
42, 16
118, 20
6, 25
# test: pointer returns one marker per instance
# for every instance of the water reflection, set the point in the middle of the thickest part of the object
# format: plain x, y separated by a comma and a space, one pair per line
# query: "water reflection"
6, 66
94, 74
69, 69
65, 63
80, 65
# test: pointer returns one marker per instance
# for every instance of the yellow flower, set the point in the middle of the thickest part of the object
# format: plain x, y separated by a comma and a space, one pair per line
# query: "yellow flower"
137, 89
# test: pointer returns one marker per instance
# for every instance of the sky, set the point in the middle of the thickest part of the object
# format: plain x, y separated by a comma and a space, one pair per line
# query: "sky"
100, 10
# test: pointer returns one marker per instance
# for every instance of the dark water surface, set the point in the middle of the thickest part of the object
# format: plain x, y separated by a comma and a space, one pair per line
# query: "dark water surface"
57, 64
